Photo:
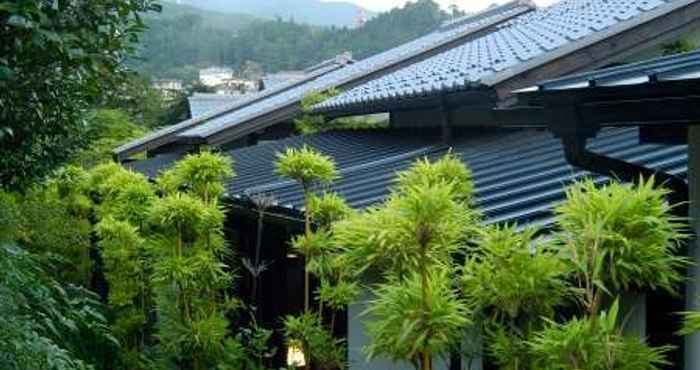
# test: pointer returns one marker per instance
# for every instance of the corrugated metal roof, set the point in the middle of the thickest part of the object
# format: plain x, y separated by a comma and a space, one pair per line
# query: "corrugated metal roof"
246, 112
202, 103
676, 67
519, 175
527, 41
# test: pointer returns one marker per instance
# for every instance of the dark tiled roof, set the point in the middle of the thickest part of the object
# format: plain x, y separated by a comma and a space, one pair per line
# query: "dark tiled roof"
519, 175
677, 67
245, 115
523, 43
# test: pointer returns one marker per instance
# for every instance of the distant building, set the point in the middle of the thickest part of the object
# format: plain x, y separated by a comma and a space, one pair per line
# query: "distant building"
168, 85
215, 76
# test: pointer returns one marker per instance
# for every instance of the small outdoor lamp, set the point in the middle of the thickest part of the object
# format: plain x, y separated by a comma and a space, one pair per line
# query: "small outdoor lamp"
295, 355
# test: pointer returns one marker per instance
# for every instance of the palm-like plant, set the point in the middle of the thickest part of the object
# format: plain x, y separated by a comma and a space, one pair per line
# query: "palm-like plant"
412, 240
190, 272
594, 343
620, 237
307, 167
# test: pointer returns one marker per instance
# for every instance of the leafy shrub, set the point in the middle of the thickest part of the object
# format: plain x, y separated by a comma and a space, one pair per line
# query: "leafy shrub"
415, 315
594, 343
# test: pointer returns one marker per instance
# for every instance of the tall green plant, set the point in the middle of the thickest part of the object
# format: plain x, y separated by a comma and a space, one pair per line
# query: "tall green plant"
620, 237
309, 168
190, 272
412, 240
513, 281
594, 343
55, 225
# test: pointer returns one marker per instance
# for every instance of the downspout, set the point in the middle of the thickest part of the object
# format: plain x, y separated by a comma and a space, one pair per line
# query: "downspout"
445, 124
565, 123
579, 156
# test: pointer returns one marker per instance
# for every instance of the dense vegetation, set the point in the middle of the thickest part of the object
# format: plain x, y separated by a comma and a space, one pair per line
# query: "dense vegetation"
174, 45
55, 63
102, 268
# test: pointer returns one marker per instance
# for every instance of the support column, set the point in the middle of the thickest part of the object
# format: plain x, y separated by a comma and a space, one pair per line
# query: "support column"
692, 343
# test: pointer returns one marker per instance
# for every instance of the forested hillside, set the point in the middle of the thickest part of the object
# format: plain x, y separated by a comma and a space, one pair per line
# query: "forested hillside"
175, 45
317, 12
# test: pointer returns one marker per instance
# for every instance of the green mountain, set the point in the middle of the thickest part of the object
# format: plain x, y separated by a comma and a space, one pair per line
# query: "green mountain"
315, 12
182, 39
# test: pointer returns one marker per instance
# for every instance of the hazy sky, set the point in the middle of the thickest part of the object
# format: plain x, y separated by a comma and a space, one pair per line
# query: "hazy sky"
467, 5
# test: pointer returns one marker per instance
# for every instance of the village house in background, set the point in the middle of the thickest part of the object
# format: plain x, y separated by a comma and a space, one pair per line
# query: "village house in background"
168, 87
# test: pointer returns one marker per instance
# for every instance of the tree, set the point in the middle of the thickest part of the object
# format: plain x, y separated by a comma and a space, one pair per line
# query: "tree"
610, 239
189, 273
105, 130
308, 168
122, 203
620, 237
514, 281
56, 58
46, 324
412, 239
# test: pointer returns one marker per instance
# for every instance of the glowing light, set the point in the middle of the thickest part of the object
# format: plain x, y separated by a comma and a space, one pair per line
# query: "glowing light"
295, 355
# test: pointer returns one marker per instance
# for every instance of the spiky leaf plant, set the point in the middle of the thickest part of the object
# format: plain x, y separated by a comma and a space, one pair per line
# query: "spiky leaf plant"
412, 239
448, 169
594, 343
621, 237
513, 280
424, 224
202, 174
411, 318
327, 208
307, 167
691, 323
190, 273
512, 275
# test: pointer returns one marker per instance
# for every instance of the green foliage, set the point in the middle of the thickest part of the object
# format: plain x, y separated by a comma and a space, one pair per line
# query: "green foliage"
594, 344
393, 237
621, 237
106, 129
677, 47
327, 208
448, 169
339, 295
306, 166
56, 59
310, 123
250, 349
46, 325
412, 239
9, 217
202, 174
408, 322
691, 323
189, 273
513, 275
317, 342
54, 225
